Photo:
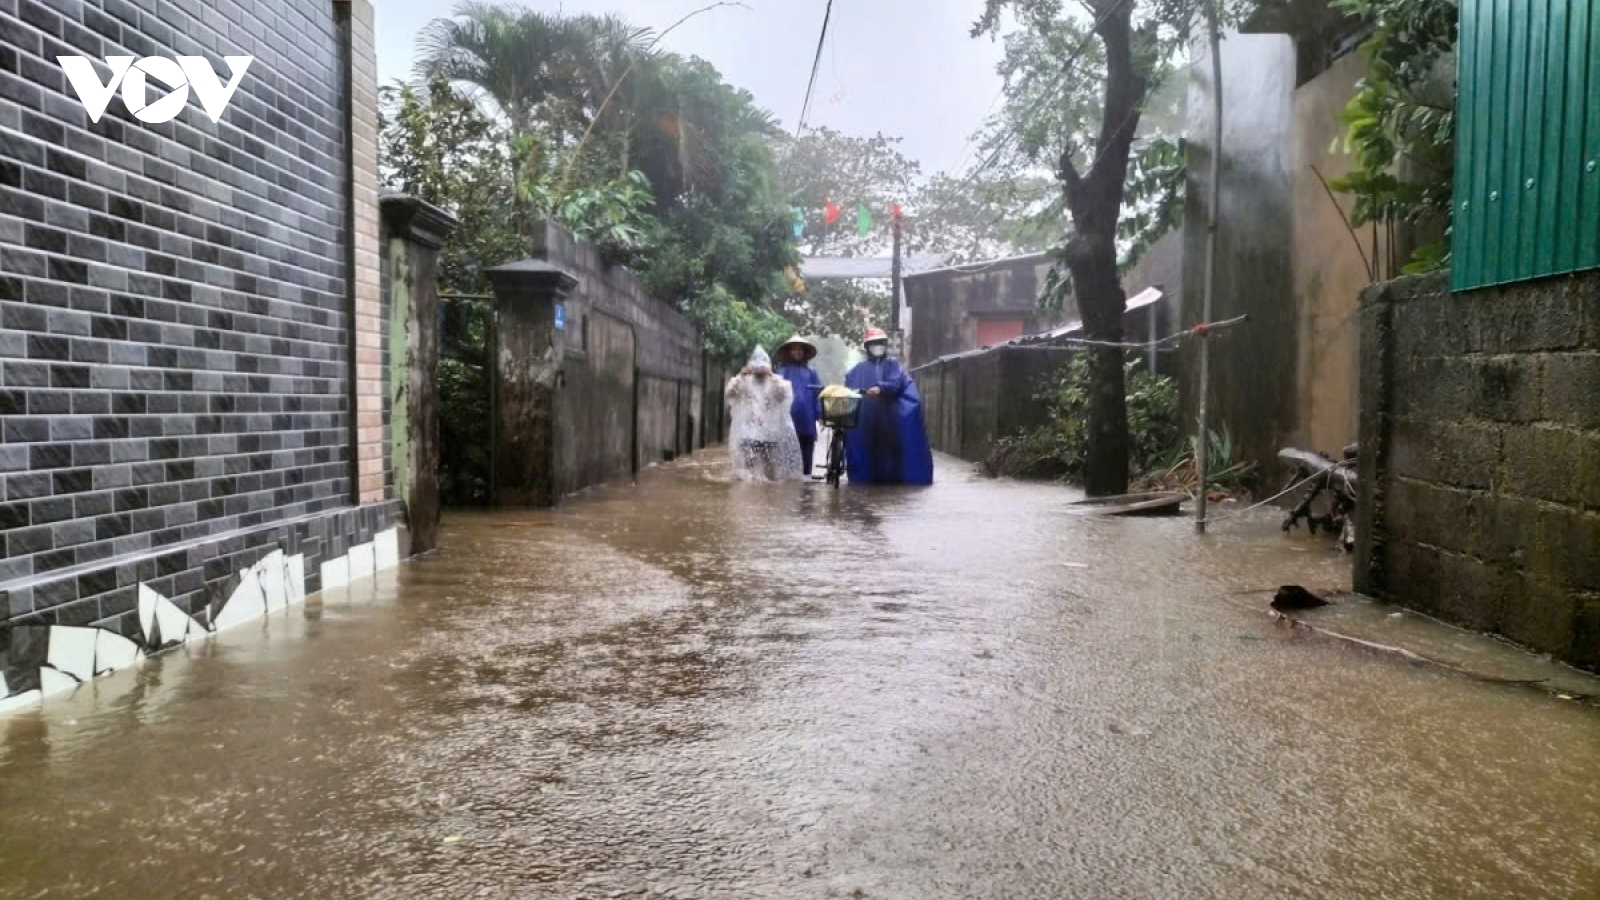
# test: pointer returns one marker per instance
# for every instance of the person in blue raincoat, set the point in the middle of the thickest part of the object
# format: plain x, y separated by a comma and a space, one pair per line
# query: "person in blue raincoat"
794, 364
889, 444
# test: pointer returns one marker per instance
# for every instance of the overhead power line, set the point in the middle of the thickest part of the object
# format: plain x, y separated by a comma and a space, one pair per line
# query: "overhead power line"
816, 63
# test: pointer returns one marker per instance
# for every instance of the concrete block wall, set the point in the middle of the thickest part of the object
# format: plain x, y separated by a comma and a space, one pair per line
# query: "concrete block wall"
619, 386
1480, 466
176, 299
981, 383
622, 342
599, 398
673, 348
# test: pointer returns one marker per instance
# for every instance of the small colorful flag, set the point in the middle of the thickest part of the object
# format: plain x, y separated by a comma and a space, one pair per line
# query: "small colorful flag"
799, 221
830, 212
863, 220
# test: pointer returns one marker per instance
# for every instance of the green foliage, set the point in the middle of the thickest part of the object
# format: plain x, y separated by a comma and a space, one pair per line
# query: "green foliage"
1227, 473
839, 308
825, 164
521, 116
537, 72
730, 227
732, 327
1153, 205
443, 148
1055, 72
1152, 197
615, 214
1225, 469
1058, 447
439, 146
464, 414
1400, 124
986, 214
650, 155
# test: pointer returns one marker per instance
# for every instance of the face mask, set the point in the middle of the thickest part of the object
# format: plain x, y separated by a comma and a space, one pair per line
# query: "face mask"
877, 351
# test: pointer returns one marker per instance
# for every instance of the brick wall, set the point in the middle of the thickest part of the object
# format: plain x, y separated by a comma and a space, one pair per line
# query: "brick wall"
175, 305
363, 129
1480, 465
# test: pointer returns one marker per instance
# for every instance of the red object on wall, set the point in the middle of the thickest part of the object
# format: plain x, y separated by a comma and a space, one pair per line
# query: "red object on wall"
998, 331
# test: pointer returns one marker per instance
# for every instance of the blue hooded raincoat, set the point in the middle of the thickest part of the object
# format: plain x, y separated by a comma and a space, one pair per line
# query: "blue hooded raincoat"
889, 444
807, 405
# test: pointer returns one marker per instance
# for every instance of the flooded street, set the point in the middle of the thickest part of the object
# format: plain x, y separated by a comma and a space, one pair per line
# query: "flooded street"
696, 689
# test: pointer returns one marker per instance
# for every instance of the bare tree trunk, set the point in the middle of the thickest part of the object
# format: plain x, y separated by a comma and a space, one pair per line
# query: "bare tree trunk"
1101, 302
1095, 201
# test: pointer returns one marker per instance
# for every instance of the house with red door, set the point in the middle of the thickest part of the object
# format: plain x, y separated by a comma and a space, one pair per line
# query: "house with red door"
959, 308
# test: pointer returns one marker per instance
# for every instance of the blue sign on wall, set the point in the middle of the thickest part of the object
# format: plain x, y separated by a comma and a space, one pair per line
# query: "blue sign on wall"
561, 316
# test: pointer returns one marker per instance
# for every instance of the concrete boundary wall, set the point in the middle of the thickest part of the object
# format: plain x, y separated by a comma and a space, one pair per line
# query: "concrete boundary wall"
594, 379
1480, 457
972, 400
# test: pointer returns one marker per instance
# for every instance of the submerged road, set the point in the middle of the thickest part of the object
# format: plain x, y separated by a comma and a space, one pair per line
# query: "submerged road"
697, 689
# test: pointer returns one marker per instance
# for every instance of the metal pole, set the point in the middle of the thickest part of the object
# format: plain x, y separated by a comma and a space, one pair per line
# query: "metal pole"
894, 283
1151, 335
1211, 261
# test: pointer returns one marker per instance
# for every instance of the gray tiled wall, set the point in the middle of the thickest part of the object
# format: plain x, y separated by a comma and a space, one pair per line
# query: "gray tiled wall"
1480, 457
173, 325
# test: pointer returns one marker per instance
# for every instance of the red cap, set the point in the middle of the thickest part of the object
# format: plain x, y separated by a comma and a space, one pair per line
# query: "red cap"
874, 334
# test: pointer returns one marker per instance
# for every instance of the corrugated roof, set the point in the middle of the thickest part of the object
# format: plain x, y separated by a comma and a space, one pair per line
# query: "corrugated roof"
1137, 301
826, 267
975, 268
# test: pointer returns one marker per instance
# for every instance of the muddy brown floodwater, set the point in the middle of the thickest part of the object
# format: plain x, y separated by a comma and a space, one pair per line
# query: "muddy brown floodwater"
697, 689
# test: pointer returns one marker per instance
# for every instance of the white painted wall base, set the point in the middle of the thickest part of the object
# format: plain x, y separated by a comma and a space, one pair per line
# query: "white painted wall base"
275, 582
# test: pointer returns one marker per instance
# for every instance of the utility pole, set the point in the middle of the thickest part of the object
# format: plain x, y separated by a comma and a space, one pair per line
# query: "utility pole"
1211, 261
894, 283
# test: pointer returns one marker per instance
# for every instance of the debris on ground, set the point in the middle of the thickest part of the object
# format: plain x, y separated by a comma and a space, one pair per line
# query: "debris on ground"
1293, 596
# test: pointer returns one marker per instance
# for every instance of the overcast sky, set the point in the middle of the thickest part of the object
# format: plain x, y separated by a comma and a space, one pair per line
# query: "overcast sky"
903, 67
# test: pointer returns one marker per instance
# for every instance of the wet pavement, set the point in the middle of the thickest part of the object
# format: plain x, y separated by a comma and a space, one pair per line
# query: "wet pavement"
697, 689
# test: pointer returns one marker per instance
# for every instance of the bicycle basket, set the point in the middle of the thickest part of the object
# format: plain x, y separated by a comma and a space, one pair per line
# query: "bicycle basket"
841, 410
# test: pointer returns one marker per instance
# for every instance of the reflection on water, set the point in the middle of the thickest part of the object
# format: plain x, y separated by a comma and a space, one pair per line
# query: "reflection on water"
698, 689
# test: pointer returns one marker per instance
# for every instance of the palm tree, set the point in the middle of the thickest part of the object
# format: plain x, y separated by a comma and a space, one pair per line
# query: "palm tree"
609, 63
589, 98
535, 68
506, 57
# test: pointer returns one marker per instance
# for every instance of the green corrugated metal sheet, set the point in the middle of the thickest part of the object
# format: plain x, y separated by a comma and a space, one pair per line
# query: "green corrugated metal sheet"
1527, 140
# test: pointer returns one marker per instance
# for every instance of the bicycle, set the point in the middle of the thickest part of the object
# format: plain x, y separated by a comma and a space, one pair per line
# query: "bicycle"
841, 408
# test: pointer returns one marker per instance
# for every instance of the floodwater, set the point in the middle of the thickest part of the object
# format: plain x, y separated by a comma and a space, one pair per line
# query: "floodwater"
698, 689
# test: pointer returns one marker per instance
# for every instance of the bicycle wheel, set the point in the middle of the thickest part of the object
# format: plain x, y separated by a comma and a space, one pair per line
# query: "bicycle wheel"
836, 459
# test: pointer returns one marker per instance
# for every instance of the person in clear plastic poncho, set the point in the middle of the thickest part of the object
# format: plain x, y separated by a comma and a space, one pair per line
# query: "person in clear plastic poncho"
762, 437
